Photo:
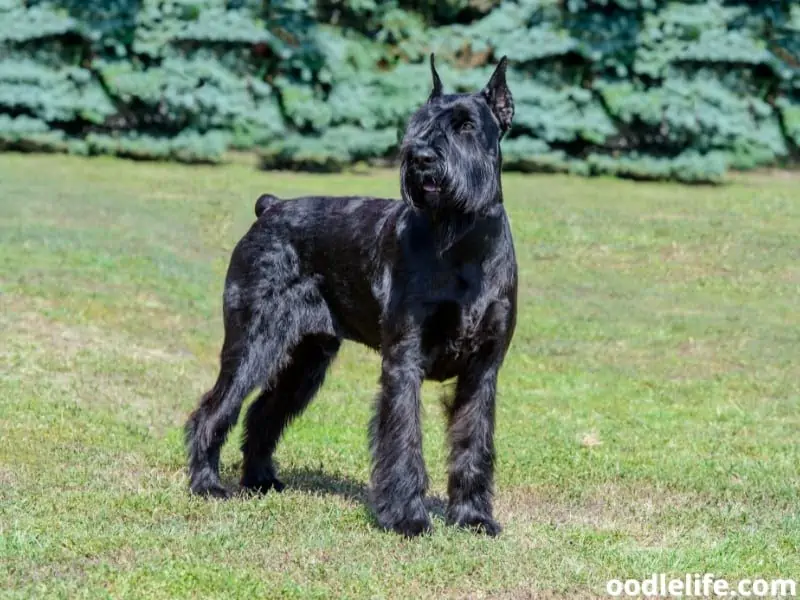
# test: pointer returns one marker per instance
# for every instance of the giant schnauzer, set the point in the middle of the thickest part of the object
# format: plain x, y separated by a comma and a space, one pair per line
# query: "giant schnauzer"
431, 282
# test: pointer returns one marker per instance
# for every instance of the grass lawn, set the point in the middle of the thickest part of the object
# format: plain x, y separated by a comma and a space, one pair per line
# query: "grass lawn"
648, 413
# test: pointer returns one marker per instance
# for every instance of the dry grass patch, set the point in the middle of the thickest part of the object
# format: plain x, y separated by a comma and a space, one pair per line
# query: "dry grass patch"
635, 511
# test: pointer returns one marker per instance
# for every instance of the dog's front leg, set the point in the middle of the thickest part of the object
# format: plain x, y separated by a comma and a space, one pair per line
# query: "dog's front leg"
471, 428
399, 480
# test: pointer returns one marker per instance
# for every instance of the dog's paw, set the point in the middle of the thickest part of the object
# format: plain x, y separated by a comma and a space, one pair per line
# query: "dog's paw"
263, 485
467, 517
413, 526
206, 483
211, 490
478, 524
410, 520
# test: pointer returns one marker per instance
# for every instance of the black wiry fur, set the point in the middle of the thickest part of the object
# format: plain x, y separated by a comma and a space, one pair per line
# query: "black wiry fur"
431, 282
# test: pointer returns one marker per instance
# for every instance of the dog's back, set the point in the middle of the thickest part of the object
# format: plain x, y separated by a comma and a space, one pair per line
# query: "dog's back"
340, 243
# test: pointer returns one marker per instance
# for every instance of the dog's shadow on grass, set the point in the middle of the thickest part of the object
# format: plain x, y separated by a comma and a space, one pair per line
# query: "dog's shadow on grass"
316, 481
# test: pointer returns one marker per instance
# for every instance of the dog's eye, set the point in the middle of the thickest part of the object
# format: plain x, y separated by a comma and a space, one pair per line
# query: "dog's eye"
466, 127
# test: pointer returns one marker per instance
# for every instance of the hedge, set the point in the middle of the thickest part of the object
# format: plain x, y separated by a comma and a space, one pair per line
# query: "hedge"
635, 88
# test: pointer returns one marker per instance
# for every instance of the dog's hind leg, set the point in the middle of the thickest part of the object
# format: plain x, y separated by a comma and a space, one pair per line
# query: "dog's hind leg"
292, 391
218, 411
257, 340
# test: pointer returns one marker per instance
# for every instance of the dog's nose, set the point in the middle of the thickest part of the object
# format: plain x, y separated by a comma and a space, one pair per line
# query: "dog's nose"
424, 157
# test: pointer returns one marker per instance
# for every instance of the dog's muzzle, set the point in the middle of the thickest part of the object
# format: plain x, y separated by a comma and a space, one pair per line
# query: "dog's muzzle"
424, 163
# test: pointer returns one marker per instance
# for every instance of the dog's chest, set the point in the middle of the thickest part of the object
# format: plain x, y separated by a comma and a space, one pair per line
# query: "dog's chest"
453, 311
450, 291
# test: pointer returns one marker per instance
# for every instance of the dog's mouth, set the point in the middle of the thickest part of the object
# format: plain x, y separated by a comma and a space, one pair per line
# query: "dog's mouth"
430, 185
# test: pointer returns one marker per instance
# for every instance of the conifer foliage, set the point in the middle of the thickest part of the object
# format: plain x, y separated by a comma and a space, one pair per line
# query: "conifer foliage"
636, 88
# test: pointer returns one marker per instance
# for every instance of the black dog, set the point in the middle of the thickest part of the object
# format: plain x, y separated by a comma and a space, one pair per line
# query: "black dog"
431, 282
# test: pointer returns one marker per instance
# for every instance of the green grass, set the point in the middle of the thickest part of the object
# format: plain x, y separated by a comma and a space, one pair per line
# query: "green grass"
648, 413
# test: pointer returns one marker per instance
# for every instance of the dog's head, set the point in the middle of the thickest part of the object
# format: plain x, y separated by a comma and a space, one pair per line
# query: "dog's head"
451, 149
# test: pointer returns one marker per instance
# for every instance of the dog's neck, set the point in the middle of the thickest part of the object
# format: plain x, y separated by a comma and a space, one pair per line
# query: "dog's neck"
467, 233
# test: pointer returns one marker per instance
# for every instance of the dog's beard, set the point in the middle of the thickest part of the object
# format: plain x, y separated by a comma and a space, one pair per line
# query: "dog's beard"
470, 180
461, 183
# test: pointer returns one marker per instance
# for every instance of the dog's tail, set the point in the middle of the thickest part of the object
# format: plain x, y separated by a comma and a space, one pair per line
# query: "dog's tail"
264, 202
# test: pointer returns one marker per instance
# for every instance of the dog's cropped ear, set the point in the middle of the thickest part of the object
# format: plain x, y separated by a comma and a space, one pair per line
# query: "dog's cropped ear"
437, 83
498, 96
